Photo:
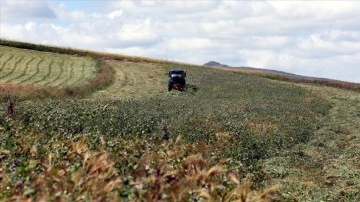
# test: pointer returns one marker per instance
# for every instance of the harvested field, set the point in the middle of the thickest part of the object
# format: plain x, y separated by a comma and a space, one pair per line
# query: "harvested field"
19, 66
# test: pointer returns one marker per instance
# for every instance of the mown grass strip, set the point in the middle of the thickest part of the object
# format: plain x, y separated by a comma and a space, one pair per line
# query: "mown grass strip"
58, 75
21, 69
29, 90
46, 69
81, 75
25, 69
70, 74
5, 62
11, 70
54, 71
42, 74
32, 75
64, 69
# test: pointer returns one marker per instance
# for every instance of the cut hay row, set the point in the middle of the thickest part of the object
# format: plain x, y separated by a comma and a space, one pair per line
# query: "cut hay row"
44, 72
18, 66
55, 70
67, 75
10, 68
82, 72
5, 61
21, 73
31, 72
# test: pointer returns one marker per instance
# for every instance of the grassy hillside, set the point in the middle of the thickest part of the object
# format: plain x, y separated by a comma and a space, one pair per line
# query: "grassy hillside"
28, 74
133, 140
283, 76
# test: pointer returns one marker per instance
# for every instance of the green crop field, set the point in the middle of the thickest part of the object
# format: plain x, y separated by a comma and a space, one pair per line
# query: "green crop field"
229, 136
19, 66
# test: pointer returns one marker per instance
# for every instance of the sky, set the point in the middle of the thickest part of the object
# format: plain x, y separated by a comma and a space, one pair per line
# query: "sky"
311, 38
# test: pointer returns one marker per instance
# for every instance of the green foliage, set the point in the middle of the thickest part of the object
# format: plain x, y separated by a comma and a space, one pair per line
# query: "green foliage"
262, 117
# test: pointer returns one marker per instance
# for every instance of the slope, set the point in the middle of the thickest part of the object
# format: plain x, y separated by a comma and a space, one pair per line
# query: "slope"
284, 76
234, 128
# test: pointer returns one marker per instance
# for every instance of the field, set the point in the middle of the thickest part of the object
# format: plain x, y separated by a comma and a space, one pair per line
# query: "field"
18, 66
283, 76
28, 74
134, 80
229, 136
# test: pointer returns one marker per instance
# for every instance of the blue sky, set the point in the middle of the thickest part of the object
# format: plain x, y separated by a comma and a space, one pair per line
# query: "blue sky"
313, 38
84, 5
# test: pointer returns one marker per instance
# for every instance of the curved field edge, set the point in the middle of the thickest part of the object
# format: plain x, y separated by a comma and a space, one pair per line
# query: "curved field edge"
30, 91
42, 88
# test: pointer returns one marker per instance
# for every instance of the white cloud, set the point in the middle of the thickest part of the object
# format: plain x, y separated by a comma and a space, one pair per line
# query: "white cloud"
329, 44
14, 10
267, 42
30, 25
257, 58
115, 14
137, 31
315, 10
187, 44
315, 38
133, 51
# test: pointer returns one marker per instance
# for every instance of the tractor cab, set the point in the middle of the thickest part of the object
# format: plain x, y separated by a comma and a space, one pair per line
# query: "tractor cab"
177, 79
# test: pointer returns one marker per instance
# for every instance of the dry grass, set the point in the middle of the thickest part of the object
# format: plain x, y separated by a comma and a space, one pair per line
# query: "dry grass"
157, 177
134, 80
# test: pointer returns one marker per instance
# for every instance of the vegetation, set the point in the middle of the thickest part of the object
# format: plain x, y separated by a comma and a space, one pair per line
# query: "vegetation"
326, 167
296, 79
28, 74
316, 81
133, 140
20, 66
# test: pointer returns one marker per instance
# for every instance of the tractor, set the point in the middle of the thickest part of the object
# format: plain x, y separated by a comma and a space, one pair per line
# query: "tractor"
177, 80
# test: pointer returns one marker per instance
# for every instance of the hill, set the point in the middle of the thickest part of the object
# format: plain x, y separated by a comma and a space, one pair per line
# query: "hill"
214, 64
127, 138
284, 76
